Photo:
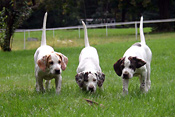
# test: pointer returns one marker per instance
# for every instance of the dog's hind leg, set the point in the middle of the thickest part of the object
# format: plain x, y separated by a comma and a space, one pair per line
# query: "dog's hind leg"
148, 81
143, 82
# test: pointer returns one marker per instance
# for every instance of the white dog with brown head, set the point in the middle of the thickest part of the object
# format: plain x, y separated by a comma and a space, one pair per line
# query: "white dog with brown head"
89, 73
48, 64
136, 62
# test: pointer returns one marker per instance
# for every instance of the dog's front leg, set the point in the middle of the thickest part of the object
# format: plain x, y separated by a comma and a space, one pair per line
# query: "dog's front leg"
47, 84
37, 85
40, 82
125, 86
101, 88
37, 81
143, 81
58, 81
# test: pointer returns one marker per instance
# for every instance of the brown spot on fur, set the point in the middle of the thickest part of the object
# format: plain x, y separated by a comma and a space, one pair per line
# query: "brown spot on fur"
136, 62
42, 63
64, 61
86, 77
100, 78
48, 61
137, 44
80, 79
59, 55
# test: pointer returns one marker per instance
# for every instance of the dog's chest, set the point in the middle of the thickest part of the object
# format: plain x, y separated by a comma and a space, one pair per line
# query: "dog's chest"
46, 75
139, 71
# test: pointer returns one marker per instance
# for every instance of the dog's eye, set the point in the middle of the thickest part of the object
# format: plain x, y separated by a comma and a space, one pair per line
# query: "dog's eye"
94, 80
59, 61
51, 62
132, 67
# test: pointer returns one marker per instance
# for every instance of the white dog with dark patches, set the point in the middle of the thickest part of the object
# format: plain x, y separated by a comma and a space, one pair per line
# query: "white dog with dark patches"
136, 62
48, 64
89, 73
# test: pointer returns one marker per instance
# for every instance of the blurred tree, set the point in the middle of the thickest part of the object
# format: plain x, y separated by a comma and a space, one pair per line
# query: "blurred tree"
124, 7
60, 13
164, 13
14, 12
133, 8
69, 12
102, 10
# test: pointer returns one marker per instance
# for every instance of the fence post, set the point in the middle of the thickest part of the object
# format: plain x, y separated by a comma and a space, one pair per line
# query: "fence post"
136, 29
24, 40
28, 33
79, 31
53, 33
106, 30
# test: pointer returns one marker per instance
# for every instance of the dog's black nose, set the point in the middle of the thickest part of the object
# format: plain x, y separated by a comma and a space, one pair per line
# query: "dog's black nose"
57, 71
126, 75
91, 89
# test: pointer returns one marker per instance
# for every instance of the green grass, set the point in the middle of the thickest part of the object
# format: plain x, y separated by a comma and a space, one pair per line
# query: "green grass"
19, 98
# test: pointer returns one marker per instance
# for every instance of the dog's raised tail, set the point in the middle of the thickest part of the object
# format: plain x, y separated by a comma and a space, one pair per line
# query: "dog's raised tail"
85, 35
43, 40
142, 37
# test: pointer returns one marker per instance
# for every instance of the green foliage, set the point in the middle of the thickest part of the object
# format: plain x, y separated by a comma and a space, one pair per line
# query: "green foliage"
23, 11
2, 26
70, 12
13, 14
19, 98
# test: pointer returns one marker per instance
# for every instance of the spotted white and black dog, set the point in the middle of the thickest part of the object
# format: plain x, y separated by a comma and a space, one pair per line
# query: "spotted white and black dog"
89, 73
48, 64
136, 61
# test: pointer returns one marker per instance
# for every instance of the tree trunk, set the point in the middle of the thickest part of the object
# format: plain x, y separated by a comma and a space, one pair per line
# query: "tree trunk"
16, 12
6, 45
123, 14
8, 32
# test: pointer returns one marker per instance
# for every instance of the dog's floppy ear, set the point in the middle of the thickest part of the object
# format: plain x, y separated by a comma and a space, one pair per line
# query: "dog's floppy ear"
80, 79
138, 62
42, 63
64, 60
118, 66
100, 78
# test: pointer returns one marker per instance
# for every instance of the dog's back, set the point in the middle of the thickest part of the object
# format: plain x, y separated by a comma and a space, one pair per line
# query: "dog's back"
140, 49
88, 58
88, 52
44, 49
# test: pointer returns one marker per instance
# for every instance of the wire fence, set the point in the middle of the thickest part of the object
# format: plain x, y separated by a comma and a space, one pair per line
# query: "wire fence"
106, 25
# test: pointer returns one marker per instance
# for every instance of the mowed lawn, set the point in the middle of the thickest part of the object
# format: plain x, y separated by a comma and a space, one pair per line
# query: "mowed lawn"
19, 98
70, 38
